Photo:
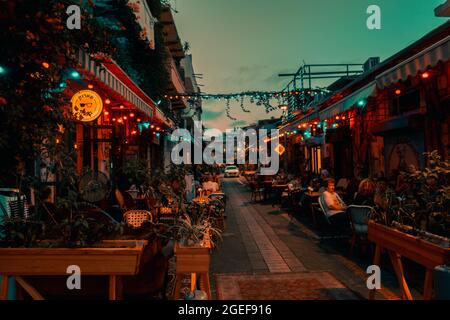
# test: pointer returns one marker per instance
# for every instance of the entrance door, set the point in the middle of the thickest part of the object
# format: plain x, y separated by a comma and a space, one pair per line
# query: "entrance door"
96, 144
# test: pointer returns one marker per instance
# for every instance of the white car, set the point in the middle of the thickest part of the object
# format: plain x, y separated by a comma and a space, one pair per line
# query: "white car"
231, 171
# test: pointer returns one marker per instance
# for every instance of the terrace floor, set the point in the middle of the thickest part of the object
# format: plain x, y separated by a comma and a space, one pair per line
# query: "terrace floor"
261, 240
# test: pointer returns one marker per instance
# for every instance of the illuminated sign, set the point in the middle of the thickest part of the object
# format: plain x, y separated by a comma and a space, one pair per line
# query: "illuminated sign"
87, 105
280, 149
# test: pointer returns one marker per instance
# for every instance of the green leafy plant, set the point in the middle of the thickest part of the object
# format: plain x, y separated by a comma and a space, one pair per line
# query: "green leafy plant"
192, 231
425, 204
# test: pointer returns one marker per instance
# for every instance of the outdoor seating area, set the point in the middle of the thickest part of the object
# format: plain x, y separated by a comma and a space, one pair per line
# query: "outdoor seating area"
157, 216
349, 210
169, 151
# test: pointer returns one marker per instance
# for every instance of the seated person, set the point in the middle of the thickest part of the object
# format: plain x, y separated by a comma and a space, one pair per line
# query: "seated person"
335, 208
365, 194
294, 183
210, 186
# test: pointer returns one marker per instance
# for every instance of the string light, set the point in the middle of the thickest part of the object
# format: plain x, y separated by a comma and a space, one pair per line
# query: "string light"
75, 74
46, 65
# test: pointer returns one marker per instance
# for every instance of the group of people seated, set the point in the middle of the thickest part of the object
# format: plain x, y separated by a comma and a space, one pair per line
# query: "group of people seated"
369, 193
211, 183
335, 198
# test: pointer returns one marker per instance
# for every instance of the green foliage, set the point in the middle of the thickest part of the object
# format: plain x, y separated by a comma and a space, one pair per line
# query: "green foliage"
30, 108
148, 67
192, 230
425, 204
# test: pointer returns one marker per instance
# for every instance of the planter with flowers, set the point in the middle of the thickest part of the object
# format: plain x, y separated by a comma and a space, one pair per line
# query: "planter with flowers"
416, 225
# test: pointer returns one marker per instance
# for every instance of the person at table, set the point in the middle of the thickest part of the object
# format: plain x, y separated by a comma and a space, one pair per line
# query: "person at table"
295, 183
365, 194
210, 186
335, 208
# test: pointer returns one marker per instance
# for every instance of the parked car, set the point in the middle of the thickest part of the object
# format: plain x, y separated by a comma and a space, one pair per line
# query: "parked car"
231, 171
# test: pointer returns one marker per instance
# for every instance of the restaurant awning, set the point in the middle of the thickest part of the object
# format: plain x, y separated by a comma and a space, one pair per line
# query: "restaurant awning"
348, 102
429, 57
294, 124
116, 79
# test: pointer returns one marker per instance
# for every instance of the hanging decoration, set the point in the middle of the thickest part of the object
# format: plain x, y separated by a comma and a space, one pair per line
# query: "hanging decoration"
228, 110
252, 95
242, 105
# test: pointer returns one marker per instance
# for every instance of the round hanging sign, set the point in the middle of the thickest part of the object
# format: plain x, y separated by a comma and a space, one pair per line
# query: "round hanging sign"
87, 105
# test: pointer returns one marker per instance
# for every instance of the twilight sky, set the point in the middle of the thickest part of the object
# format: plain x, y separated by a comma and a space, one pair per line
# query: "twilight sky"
241, 45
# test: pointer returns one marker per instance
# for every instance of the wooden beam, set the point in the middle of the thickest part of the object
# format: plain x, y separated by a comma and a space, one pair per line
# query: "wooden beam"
29, 289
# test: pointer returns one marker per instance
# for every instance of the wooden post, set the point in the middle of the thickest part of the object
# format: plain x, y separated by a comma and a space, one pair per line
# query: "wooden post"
4, 288
29, 289
398, 267
112, 287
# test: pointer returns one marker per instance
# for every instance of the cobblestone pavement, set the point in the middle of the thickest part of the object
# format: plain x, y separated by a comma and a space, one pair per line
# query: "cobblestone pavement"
260, 238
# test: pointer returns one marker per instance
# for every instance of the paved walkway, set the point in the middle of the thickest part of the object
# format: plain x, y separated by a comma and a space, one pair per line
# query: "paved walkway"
260, 238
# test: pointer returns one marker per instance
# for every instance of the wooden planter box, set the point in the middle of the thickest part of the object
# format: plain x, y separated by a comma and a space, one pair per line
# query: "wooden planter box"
193, 260
421, 251
400, 244
115, 259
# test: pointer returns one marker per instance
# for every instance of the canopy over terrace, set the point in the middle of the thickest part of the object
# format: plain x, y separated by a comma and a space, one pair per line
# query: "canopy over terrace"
301, 121
428, 58
120, 87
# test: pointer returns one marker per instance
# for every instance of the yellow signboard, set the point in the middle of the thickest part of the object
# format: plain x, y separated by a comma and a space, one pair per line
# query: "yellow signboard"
87, 105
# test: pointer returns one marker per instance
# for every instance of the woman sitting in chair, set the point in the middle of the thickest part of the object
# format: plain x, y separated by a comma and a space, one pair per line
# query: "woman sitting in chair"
334, 207
365, 194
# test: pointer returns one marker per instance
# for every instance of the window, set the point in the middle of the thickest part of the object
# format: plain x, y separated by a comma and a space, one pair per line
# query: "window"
410, 101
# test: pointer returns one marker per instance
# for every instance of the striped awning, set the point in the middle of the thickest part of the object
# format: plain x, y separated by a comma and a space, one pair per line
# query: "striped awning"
114, 77
429, 57
305, 119
348, 102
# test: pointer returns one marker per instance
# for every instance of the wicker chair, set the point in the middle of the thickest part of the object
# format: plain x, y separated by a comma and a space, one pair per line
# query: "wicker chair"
136, 218
359, 217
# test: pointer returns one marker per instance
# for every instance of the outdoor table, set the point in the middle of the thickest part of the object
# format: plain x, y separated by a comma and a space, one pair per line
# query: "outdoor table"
201, 200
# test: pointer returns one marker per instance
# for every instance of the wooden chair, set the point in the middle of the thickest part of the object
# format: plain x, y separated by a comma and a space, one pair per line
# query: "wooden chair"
359, 218
136, 218
257, 191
